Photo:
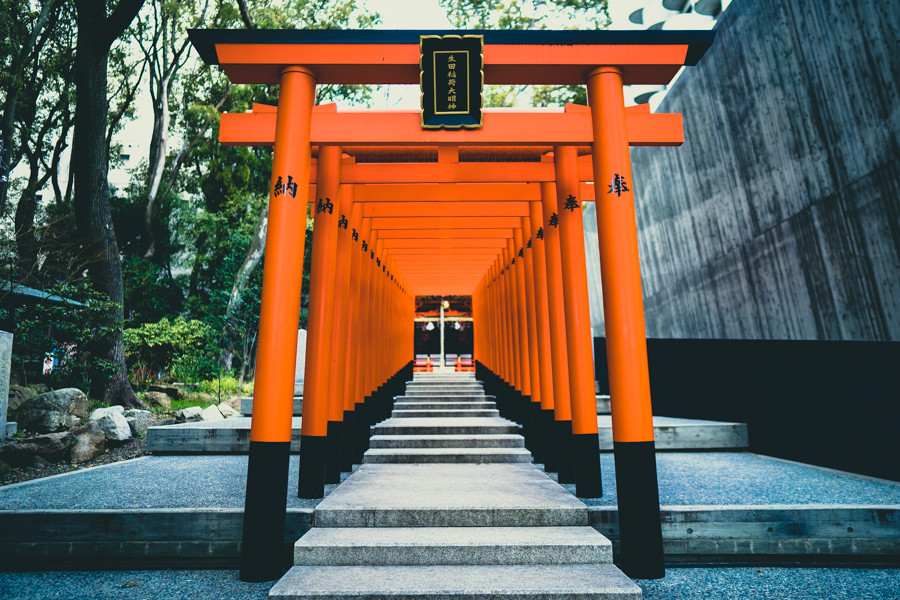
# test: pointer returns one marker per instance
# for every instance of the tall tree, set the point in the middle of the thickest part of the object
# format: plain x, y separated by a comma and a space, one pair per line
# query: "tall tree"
97, 30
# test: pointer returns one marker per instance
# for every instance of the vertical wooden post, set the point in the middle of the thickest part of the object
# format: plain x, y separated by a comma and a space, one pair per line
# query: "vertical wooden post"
348, 454
262, 550
338, 459
626, 344
542, 326
585, 439
533, 408
562, 405
317, 428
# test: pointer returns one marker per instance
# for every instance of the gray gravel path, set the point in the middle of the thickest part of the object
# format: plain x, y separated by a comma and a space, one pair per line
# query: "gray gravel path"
685, 478
738, 583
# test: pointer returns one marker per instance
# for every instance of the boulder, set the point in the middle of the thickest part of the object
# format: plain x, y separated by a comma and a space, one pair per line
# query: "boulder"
17, 396
89, 442
113, 423
51, 447
40, 388
189, 415
138, 420
169, 390
211, 413
53, 411
157, 399
227, 411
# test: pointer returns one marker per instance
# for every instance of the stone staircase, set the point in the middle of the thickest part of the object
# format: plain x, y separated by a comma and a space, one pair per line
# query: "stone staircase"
447, 504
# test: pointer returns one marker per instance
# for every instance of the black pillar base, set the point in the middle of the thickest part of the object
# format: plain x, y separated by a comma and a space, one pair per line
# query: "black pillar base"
263, 556
537, 431
551, 447
586, 450
347, 441
640, 532
360, 438
566, 471
333, 452
311, 480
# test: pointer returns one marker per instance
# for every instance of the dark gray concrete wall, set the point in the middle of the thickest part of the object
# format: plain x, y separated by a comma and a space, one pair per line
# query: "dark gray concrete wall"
779, 217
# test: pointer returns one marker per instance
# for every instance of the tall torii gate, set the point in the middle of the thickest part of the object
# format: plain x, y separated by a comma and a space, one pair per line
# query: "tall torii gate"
491, 212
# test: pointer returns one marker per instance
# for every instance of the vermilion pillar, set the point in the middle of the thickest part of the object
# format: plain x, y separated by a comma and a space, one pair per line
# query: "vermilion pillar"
262, 550
585, 440
626, 344
534, 407
542, 328
348, 454
339, 459
317, 428
562, 406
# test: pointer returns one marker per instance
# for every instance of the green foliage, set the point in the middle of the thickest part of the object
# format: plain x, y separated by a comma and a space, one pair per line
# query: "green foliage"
63, 327
182, 348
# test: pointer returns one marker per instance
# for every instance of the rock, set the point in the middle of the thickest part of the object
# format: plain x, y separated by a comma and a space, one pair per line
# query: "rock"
5, 468
40, 388
227, 411
169, 390
90, 442
138, 420
211, 413
157, 399
52, 447
17, 396
113, 423
53, 411
189, 415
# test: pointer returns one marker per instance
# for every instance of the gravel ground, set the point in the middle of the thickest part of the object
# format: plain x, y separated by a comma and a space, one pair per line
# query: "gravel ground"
133, 448
697, 478
693, 583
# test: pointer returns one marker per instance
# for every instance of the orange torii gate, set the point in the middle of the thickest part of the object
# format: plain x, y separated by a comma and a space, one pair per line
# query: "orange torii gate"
524, 271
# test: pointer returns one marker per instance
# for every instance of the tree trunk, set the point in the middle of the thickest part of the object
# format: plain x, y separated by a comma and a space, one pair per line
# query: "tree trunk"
158, 149
90, 162
235, 300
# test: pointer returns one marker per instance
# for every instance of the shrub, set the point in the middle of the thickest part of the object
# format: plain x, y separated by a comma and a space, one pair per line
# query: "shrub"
180, 349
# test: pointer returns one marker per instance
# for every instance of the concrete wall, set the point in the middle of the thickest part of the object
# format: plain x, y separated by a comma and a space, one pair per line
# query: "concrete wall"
779, 217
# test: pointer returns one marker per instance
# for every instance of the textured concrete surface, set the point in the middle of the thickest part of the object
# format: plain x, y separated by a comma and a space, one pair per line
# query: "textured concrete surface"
688, 583
226, 436
442, 404
449, 495
247, 406
778, 217
6, 342
672, 433
456, 425
535, 582
451, 546
404, 413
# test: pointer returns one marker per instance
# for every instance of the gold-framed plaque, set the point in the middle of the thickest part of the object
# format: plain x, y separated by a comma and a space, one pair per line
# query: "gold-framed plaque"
451, 80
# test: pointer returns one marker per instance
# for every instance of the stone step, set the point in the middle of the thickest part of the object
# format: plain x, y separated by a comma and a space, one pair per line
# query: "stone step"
457, 582
447, 425
447, 441
247, 406
446, 455
450, 495
440, 397
436, 413
444, 386
348, 546
443, 404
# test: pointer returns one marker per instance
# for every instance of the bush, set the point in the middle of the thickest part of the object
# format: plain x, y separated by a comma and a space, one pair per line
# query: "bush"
181, 350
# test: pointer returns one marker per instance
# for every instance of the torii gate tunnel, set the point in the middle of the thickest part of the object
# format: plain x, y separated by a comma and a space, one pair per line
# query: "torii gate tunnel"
493, 212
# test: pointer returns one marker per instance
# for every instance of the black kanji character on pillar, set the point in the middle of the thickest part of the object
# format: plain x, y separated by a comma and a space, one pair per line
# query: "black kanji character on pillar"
554, 220
279, 187
522, 252
540, 233
571, 203
378, 261
372, 254
355, 235
285, 188
322, 206
618, 185
342, 224
365, 246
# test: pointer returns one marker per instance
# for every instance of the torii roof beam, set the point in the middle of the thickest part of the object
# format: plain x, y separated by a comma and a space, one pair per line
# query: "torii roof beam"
392, 56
